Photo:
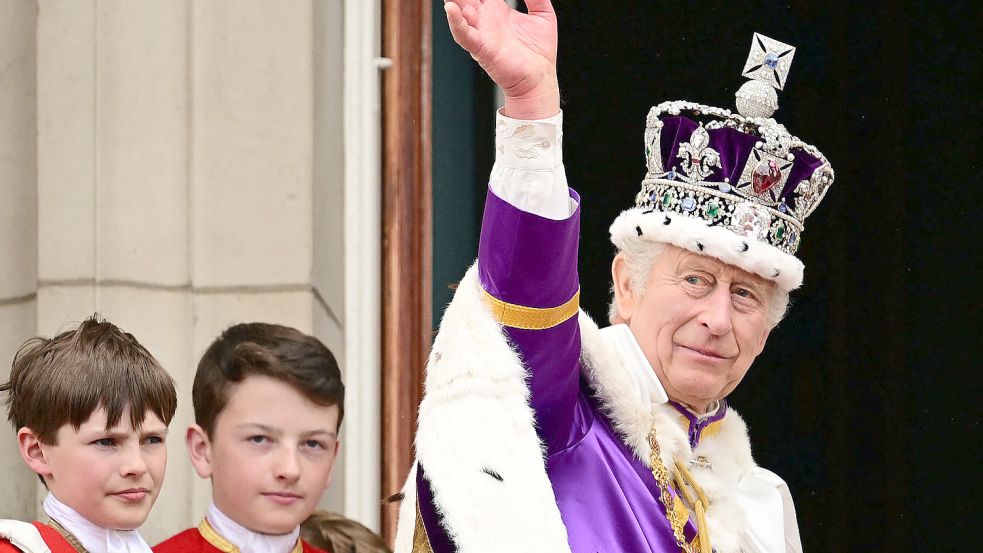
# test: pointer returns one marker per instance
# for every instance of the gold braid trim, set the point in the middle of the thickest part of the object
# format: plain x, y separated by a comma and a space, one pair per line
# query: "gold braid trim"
531, 318
675, 515
216, 539
213, 537
69, 537
421, 541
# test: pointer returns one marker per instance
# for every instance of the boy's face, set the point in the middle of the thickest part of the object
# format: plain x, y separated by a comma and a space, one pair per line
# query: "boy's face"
270, 456
109, 476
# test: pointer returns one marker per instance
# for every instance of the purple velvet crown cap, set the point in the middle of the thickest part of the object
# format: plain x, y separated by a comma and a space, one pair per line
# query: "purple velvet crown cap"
736, 149
735, 188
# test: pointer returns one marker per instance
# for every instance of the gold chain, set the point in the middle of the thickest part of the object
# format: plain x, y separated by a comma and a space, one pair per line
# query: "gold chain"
662, 478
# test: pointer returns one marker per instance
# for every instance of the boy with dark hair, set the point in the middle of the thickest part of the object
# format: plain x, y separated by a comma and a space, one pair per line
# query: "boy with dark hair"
268, 403
91, 408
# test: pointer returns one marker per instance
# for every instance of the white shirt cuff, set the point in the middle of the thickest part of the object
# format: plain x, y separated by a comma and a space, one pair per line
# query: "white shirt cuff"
528, 171
535, 145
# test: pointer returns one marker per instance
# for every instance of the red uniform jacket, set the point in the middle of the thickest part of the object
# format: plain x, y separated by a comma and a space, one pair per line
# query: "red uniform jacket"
56, 543
204, 539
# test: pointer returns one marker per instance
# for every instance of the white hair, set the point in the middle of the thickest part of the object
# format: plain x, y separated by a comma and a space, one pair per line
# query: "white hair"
640, 256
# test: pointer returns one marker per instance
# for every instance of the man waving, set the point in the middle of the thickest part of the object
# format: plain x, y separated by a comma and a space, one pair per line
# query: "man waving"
538, 431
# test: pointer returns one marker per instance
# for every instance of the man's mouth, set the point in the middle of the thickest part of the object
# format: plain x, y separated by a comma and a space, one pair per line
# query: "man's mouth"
282, 498
132, 495
706, 352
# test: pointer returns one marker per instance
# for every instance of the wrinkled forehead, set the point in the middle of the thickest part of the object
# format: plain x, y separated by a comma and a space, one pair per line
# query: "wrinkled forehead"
685, 260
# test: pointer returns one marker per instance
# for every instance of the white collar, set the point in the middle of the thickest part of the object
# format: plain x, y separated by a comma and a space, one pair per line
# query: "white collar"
711, 411
642, 374
248, 541
95, 539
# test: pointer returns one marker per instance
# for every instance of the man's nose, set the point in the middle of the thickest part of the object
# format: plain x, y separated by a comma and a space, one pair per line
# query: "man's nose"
718, 311
134, 463
288, 464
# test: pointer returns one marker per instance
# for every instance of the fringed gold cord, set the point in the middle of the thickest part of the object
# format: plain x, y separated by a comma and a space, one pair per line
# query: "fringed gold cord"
677, 521
684, 481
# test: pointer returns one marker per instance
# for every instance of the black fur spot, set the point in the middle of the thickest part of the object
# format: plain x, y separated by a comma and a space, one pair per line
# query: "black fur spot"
638, 230
700, 246
492, 473
744, 246
667, 220
777, 272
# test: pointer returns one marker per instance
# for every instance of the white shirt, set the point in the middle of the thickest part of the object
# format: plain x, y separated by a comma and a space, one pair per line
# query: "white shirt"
94, 538
248, 541
647, 385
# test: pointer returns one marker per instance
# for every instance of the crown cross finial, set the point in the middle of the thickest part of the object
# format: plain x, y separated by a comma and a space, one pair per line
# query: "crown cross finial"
767, 66
769, 61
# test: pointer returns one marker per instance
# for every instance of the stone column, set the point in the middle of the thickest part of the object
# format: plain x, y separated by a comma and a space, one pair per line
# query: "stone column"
187, 174
18, 221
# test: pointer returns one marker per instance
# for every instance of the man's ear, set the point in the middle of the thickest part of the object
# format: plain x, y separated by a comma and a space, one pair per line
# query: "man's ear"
32, 451
200, 450
624, 296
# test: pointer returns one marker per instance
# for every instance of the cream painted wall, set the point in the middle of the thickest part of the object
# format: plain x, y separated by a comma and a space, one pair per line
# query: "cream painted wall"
180, 166
18, 221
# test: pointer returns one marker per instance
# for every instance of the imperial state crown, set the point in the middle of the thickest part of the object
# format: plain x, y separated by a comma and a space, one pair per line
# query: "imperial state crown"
735, 186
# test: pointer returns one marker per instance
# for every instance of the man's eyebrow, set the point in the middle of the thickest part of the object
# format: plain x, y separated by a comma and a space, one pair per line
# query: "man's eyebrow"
113, 434
153, 431
694, 263
319, 432
118, 435
760, 289
750, 279
261, 427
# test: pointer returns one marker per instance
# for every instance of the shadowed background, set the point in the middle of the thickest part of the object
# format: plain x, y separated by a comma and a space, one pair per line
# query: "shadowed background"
866, 398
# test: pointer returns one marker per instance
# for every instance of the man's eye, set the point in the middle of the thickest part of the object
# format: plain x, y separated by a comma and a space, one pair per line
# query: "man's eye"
104, 442
315, 444
259, 439
694, 280
744, 293
153, 440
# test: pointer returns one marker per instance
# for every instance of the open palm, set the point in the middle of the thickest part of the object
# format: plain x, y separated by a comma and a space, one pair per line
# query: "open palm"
518, 51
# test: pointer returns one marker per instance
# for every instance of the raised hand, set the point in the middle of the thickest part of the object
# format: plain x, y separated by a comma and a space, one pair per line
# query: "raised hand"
518, 51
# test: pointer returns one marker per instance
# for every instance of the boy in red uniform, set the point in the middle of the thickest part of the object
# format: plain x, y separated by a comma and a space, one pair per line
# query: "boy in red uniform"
91, 407
268, 403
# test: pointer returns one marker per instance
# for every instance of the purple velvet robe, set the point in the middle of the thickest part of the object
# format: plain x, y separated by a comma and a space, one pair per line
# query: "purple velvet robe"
608, 499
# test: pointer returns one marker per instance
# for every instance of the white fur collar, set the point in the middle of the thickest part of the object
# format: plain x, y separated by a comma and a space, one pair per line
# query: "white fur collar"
476, 399
474, 420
